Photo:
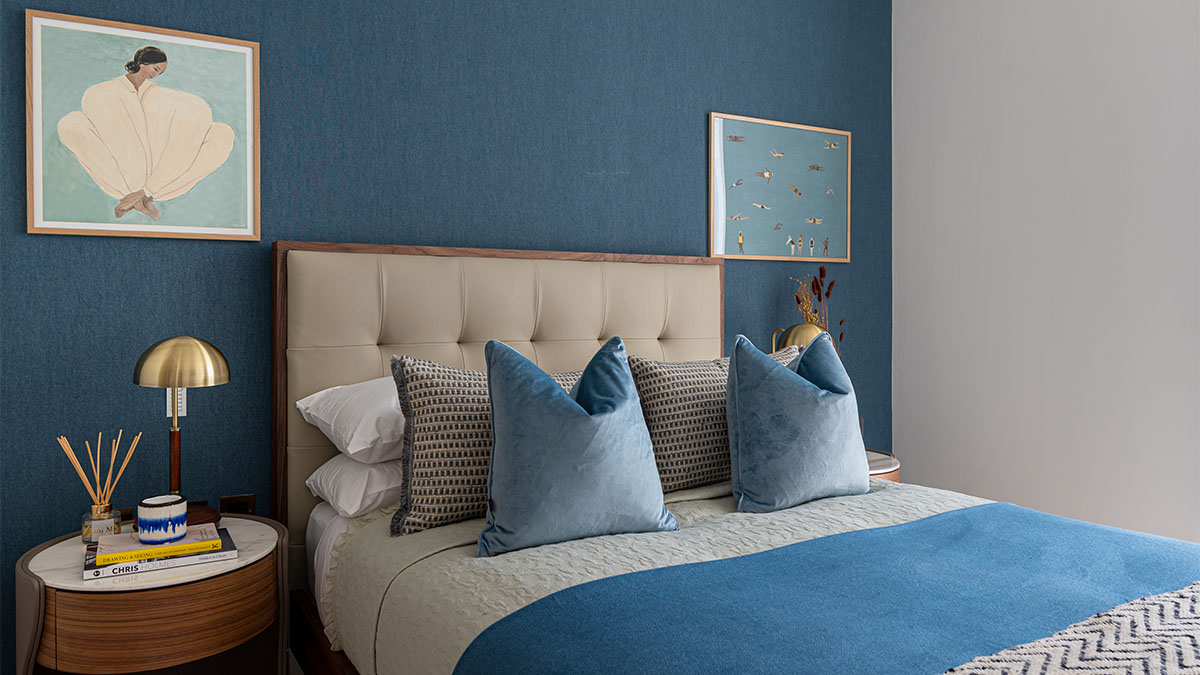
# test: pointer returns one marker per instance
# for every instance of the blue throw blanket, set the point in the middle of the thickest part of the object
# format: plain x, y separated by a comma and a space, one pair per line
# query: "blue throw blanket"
921, 597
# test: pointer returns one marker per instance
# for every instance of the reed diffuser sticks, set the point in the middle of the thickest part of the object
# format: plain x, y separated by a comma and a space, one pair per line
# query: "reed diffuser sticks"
102, 492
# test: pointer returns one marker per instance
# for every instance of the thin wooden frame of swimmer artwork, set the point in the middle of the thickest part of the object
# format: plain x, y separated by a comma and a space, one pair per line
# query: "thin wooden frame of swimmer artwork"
135, 131
778, 191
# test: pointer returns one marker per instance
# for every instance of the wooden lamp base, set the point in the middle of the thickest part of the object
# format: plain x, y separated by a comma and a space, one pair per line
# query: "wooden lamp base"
198, 514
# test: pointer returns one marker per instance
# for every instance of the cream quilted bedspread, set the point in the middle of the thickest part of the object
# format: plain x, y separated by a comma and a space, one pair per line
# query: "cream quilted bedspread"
413, 604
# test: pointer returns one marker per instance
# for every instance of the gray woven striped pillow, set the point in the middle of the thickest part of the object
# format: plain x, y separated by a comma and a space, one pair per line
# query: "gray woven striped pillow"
684, 406
447, 443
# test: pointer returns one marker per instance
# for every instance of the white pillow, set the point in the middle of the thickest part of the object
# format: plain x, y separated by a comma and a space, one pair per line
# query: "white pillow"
353, 488
363, 420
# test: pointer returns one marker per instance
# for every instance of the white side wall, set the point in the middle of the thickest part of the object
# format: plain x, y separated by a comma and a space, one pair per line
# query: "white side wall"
1046, 225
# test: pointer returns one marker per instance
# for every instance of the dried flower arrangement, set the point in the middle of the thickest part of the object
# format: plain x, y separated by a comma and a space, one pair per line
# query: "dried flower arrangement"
812, 301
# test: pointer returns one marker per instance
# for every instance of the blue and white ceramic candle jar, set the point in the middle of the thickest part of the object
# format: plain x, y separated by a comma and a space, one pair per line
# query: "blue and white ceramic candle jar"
162, 519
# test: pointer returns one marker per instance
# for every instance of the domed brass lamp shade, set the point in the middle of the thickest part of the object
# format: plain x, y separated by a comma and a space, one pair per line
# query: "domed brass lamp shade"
800, 335
180, 363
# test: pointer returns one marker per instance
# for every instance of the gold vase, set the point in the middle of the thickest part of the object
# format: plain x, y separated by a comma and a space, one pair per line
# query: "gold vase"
800, 335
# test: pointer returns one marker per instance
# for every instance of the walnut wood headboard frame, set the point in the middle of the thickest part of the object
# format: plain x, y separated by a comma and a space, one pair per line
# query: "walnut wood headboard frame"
280, 326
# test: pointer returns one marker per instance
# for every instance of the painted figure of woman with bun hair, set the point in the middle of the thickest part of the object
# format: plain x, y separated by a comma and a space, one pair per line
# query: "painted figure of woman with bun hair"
143, 143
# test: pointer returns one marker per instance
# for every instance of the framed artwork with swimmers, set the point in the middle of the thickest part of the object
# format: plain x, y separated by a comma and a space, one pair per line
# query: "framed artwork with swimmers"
778, 191
139, 131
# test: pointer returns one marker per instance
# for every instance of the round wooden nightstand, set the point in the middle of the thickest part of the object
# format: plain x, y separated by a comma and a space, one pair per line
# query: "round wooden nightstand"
882, 465
156, 619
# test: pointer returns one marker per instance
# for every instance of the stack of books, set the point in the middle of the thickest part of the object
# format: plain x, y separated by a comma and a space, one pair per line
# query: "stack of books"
120, 554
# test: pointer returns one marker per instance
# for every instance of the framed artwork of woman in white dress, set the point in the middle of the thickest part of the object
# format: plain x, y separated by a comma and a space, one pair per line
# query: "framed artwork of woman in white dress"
140, 131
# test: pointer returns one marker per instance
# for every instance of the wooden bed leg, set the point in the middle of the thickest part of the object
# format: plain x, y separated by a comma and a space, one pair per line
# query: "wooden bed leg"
309, 644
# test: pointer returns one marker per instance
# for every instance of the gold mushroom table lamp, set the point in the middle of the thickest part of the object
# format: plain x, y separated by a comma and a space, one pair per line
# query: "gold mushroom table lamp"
181, 363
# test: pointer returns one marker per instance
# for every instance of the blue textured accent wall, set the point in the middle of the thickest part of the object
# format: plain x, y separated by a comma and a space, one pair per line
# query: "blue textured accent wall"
544, 124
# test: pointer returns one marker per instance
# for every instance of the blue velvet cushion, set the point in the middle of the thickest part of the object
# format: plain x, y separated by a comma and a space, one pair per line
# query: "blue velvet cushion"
567, 465
793, 430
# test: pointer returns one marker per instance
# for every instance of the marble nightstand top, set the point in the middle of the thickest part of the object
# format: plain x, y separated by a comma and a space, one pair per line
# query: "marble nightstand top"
61, 565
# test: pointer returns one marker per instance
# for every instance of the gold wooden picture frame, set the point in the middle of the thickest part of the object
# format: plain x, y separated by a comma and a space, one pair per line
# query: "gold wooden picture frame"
778, 191
137, 131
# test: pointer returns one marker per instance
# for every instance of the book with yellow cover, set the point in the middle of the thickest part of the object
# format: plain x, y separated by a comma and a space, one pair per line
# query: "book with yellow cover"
91, 570
123, 548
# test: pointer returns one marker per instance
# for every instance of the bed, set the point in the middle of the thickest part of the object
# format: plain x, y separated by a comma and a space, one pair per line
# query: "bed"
930, 579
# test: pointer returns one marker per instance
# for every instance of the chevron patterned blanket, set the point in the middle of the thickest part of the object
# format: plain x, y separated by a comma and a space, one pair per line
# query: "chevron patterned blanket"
1158, 635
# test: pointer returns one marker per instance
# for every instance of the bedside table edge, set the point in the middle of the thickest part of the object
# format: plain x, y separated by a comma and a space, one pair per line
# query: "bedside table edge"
30, 600
281, 582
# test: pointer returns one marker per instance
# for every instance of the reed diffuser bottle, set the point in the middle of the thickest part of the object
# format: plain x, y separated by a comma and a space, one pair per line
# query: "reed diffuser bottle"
100, 519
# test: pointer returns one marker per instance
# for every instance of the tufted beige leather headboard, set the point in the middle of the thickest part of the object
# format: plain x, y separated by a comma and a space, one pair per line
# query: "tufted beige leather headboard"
341, 311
